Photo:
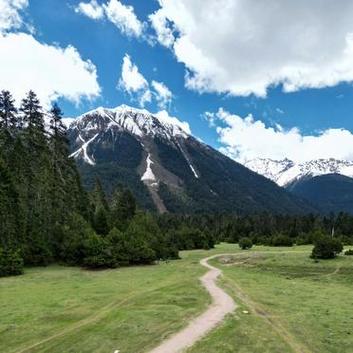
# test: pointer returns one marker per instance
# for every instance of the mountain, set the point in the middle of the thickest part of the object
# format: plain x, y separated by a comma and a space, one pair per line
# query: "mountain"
330, 192
286, 172
167, 168
326, 183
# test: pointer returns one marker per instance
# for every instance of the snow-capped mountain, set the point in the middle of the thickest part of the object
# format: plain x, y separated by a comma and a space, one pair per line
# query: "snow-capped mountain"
167, 168
286, 172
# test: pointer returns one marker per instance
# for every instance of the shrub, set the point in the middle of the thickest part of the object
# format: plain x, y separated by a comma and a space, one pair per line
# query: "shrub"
326, 248
98, 253
73, 248
281, 240
349, 252
303, 239
245, 243
11, 262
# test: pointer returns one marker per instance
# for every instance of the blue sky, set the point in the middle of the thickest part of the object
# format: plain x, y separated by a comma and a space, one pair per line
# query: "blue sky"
312, 112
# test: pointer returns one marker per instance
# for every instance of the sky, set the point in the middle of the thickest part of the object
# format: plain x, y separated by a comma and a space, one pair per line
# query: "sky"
252, 78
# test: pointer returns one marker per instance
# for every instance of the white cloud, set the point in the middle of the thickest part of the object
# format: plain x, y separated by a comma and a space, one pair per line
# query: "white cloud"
244, 139
162, 93
160, 24
10, 14
211, 118
91, 9
122, 16
134, 83
51, 71
245, 46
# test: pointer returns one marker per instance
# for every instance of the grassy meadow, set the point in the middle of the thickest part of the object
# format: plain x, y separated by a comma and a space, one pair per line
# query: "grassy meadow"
287, 303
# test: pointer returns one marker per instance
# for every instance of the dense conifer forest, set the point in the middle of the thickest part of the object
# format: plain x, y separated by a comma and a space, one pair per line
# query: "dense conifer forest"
47, 216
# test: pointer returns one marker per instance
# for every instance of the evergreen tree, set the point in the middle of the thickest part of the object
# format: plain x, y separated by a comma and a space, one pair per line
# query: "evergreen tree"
8, 120
37, 173
100, 210
9, 210
123, 208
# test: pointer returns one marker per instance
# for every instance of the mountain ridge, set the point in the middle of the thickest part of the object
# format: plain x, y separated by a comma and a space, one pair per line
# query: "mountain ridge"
170, 170
286, 172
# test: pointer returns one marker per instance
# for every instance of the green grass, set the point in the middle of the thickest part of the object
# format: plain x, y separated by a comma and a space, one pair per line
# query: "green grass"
307, 305
128, 309
292, 302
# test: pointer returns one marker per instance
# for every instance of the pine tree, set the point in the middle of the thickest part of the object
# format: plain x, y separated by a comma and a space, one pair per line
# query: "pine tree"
98, 196
38, 175
7, 111
123, 208
100, 210
9, 209
7, 124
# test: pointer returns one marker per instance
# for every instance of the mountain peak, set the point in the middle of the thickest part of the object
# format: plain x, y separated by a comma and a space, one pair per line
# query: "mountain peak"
285, 172
169, 170
138, 122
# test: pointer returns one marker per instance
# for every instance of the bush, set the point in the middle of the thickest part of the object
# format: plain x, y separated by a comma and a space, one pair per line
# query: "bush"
349, 252
326, 248
99, 253
73, 248
245, 243
281, 240
303, 239
11, 262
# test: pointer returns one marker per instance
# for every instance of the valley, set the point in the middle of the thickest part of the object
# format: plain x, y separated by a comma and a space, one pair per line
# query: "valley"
286, 303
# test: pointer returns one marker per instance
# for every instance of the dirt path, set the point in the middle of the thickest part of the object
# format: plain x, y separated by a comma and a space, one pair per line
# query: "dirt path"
222, 304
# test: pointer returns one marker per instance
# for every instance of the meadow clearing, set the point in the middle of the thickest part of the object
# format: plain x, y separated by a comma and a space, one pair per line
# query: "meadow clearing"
287, 302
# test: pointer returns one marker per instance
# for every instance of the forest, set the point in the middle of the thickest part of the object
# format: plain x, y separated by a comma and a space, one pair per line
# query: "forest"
46, 215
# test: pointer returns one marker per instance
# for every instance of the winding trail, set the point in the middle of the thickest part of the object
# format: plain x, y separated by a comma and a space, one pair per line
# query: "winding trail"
222, 304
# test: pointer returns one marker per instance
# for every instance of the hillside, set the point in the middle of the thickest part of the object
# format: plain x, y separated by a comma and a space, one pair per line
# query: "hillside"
287, 172
166, 167
325, 183
331, 192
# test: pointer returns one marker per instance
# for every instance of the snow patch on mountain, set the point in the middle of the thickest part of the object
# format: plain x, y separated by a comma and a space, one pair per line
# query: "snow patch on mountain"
68, 121
148, 174
285, 172
83, 150
187, 160
138, 122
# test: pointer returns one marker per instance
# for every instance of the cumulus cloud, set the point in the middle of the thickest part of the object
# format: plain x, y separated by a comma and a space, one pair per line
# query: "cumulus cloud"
134, 83
243, 47
10, 14
91, 9
51, 71
244, 139
162, 93
162, 28
122, 16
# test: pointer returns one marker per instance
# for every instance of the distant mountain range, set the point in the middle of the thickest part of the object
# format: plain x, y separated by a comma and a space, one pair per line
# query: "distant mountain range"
167, 168
327, 183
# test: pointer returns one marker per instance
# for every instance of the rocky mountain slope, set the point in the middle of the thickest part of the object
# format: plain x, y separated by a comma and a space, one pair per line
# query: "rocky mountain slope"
330, 192
286, 172
166, 167
326, 183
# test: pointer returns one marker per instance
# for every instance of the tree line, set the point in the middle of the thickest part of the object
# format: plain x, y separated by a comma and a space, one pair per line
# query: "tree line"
265, 228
